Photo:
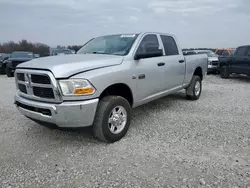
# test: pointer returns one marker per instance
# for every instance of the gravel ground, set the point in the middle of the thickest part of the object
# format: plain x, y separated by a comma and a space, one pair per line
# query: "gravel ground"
172, 142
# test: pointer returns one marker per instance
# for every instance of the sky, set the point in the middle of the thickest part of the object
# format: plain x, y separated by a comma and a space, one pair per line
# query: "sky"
195, 23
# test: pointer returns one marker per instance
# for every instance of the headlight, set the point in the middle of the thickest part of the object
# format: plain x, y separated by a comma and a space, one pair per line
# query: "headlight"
76, 87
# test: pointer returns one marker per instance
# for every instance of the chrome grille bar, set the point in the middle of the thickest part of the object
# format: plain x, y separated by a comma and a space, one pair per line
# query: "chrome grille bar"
38, 91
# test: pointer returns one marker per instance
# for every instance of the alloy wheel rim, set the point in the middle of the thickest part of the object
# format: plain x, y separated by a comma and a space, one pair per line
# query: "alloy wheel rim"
117, 119
197, 88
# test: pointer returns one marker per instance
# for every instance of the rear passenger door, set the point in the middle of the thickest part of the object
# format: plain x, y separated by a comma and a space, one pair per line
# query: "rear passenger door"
175, 68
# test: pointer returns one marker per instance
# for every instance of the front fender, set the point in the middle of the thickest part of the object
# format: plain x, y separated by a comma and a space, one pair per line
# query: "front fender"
104, 77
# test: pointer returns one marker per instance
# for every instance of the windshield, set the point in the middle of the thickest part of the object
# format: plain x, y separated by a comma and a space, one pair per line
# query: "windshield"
21, 55
209, 53
109, 44
232, 51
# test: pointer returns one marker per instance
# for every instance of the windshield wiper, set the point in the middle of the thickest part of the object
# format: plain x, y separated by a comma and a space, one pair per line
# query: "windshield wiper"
98, 53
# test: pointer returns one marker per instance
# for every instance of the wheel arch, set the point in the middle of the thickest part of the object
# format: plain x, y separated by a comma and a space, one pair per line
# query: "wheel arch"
198, 72
120, 89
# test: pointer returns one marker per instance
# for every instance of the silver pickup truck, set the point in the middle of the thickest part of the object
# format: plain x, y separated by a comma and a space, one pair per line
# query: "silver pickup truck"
107, 77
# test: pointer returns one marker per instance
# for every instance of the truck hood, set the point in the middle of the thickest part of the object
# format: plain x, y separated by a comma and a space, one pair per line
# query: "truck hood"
225, 58
68, 65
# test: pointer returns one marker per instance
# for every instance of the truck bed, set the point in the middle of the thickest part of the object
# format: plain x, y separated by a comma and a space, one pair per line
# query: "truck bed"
193, 61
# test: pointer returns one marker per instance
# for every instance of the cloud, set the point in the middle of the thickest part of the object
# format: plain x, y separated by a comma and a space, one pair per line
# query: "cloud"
133, 18
196, 23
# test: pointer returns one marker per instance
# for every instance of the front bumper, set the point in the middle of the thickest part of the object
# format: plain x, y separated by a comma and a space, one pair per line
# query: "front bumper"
66, 114
212, 68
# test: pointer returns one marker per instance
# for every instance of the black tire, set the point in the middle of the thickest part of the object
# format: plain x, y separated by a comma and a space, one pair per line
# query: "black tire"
224, 72
101, 126
8, 72
2, 69
191, 91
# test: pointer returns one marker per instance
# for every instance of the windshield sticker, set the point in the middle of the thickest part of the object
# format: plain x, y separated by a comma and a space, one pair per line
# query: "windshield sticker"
128, 35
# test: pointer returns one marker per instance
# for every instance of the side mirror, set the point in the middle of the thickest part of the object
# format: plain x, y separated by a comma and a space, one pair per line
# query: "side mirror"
150, 51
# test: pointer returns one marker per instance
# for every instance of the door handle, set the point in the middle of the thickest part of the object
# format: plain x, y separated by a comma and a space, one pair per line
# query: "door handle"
161, 64
141, 76
181, 61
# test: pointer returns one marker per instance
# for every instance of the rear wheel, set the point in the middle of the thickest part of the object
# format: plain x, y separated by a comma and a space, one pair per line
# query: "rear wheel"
193, 91
224, 72
112, 119
8, 72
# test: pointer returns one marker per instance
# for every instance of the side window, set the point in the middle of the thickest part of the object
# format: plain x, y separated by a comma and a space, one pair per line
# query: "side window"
148, 39
170, 46
219, 52
248, 52
241, 51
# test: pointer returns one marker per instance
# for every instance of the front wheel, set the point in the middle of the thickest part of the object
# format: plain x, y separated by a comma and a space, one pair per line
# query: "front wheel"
8, 72
224, 73
112, 119
193, 91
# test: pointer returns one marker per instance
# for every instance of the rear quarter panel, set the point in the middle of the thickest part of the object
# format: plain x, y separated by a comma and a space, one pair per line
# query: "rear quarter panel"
192, 63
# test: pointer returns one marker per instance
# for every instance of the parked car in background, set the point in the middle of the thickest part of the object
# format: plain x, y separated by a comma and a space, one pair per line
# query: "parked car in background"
212, 60
2, 67
3, 60
16, 58
239, 63
225, 51
107, 77
61, 52
37, 55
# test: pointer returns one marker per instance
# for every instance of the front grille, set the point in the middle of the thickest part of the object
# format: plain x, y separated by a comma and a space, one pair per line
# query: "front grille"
40, 79
22, 88
37, 85
214, 62
43, 92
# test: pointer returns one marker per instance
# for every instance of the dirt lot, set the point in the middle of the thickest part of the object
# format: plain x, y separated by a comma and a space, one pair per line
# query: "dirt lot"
172, 142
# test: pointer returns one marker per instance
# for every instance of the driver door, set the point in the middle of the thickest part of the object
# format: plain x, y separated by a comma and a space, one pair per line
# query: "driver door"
150, 71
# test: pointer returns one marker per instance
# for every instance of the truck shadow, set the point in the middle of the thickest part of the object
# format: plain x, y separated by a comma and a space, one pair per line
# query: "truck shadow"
240, 78
144, 111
